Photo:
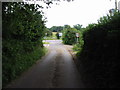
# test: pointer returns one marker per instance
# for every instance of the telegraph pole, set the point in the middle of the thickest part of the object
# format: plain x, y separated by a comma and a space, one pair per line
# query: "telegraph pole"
116, 4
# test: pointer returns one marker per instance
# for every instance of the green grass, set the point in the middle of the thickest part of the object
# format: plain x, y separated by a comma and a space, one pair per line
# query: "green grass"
50, 38
54, 34
46, 43
20, 63
53, 37
76, 47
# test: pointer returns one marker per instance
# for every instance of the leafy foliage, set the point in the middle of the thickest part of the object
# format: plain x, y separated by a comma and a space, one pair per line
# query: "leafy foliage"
99, 59
78, 47
23, 30
56, 28
69, 36
78, 26
48, 32
66, 26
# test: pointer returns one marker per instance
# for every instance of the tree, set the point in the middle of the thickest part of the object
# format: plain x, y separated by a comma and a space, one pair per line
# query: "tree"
67, 27
99, 55
56, 28
78, 26
23, 30
69, 36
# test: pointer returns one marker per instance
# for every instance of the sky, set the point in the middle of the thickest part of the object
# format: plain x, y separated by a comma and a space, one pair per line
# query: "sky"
81, 12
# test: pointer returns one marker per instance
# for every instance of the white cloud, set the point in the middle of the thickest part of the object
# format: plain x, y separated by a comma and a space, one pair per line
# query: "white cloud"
77, 12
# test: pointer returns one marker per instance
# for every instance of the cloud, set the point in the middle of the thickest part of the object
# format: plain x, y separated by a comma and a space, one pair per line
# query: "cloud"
77, 12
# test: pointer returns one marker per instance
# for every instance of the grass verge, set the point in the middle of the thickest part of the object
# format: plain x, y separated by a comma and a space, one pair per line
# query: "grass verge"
20, 63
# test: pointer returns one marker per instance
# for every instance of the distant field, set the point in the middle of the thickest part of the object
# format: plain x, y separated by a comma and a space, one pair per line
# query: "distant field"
53, 37
54, 34
46, 43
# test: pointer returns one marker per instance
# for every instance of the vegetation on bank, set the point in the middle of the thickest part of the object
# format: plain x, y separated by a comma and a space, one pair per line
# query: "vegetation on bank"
69, 36
97, 49
57, 30
22, 35
98, 53
46, 43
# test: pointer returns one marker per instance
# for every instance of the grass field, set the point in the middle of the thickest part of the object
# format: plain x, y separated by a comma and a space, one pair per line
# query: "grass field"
53, 37
54, 34
46, 43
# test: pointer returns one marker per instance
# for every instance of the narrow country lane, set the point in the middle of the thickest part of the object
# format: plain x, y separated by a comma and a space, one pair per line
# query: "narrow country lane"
55, 70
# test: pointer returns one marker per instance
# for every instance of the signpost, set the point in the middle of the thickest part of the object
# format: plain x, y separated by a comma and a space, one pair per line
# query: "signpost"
77, 35
45, 36
60, 34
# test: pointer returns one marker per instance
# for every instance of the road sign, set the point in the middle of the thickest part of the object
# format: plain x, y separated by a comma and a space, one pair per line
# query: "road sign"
60, 34
77, 34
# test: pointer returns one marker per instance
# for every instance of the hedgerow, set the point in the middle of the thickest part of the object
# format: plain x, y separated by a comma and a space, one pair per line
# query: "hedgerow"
23, 30
69, 36
99, 58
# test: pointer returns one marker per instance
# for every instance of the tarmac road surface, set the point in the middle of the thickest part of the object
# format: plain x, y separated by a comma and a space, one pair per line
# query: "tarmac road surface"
55, 70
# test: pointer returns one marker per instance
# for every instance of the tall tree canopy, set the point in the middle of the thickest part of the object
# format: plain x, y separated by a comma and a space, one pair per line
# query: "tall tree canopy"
77, 26
56, 28
23, 30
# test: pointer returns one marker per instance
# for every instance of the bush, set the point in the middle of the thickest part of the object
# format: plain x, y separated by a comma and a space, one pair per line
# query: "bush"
99, 59
15, 61
23, 30
69, 36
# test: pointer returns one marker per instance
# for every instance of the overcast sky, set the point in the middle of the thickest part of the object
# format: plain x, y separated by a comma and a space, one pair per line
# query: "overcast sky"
81, 12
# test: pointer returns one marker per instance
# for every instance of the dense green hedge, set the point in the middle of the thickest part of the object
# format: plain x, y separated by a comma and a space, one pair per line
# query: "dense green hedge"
22, 38
69, 36
99, 58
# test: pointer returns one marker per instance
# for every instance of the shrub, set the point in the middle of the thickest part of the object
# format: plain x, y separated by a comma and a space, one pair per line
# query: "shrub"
69, 36
99, 56
78, 46
22, 38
